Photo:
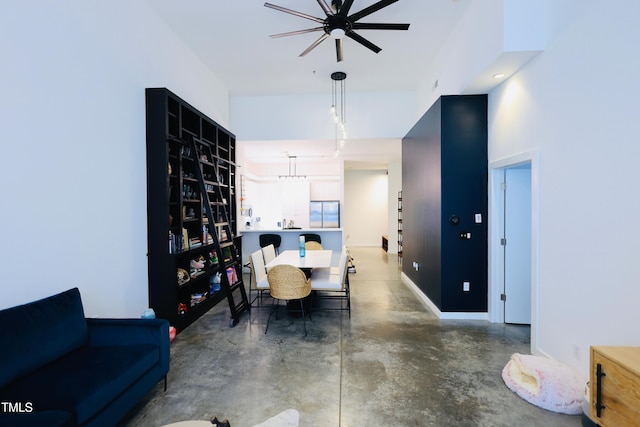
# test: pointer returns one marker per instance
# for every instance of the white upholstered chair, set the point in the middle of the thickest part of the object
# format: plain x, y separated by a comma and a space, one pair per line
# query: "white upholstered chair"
258, 282
269, 253
333, 283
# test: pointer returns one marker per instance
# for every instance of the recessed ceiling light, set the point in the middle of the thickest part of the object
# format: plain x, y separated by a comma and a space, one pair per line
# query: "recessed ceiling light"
498, 75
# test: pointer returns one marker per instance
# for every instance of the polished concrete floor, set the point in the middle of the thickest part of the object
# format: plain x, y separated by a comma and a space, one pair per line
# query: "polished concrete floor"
392, 364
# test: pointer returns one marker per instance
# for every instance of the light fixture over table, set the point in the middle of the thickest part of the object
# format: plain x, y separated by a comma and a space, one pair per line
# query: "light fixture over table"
339, 109
293, 172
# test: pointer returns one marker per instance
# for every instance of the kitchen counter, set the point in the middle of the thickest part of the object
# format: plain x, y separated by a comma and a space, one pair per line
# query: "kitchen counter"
332, 239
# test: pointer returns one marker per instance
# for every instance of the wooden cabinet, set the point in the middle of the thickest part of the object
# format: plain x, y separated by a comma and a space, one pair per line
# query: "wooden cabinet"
615, 386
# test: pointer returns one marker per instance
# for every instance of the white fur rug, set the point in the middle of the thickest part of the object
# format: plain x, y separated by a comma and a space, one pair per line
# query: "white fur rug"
545, 383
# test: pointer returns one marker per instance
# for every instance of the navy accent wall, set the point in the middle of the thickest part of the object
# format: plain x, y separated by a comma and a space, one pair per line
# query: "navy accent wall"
444, 173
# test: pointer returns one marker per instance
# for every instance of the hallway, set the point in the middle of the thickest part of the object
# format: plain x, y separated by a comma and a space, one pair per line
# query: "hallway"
392, 364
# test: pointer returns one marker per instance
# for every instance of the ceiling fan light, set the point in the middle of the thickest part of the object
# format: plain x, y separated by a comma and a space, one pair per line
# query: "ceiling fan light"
337, 33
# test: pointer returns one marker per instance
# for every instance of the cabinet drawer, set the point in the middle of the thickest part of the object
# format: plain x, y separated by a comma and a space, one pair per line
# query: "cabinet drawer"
619, 385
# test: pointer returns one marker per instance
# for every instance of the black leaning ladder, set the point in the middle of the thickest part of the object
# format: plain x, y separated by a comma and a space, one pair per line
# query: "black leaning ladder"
219, 227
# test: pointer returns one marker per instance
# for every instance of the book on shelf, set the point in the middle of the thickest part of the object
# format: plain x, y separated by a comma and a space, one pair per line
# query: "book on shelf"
232, 276
197, 298
194, 242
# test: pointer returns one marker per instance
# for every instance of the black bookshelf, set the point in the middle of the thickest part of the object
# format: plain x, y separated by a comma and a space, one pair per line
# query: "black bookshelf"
194, 254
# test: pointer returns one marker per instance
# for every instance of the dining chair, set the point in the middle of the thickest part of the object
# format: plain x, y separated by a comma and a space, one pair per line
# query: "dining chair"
270, 239
287, 282
258, 282
313, 246
333, 283
269, 253
311, 237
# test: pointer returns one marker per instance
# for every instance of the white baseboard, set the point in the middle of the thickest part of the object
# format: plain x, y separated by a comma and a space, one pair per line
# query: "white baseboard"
447, 315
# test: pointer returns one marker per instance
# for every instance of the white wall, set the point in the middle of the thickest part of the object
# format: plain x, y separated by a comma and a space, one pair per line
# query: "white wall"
366, 210
72, 126
370, 115
578, 104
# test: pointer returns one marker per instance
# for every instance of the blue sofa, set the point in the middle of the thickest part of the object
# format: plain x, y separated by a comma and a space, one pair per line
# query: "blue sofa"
58, 368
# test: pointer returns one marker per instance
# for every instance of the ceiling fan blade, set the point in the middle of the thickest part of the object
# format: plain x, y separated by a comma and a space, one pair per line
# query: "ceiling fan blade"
368, 26
293, 12
316, 43
327, 9
344, 9
339, 49
364, 42
295, 33
369, 10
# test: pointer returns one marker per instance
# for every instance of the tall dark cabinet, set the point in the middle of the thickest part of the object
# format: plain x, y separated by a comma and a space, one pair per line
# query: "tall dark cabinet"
444, 180
194, 254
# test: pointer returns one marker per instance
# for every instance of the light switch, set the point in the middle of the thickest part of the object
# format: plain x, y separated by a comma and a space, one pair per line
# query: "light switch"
478, 218
466, 286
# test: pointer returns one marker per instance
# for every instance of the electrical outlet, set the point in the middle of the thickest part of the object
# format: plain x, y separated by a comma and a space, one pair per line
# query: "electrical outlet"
466, 286
464, 235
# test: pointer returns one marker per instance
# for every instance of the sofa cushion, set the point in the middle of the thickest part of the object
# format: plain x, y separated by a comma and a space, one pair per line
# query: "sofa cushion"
38, 419
39, 332
85, 380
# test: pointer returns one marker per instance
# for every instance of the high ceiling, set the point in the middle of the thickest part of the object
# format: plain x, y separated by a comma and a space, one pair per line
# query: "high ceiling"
232, 38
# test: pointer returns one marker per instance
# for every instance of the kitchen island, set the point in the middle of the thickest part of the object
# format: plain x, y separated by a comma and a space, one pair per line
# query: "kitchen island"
332, 239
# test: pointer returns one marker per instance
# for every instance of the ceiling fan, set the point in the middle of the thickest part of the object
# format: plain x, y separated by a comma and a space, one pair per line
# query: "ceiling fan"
339, 23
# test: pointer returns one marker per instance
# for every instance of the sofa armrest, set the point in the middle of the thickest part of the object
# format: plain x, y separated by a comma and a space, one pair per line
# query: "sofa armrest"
112, 332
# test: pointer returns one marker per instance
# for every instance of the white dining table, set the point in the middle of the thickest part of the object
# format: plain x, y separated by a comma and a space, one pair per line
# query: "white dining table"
312, 259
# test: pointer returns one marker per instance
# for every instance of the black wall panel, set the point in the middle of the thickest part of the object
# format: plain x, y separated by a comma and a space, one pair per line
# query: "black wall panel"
444, 174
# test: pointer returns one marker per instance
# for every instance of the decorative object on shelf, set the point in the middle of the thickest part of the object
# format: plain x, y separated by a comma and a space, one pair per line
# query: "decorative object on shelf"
338, 23
339, 109
215, 282
213, 256
196, 266
182, 309
183, 276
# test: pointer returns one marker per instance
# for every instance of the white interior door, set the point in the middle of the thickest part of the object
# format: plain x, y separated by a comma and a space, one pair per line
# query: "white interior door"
517, 250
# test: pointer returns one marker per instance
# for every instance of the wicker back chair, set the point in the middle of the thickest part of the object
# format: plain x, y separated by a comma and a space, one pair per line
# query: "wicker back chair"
287, 282
313, 246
